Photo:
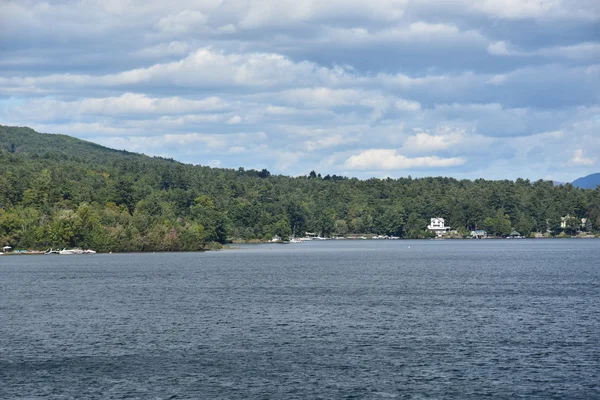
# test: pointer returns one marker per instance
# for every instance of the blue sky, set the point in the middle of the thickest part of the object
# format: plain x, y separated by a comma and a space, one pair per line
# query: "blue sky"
497, 89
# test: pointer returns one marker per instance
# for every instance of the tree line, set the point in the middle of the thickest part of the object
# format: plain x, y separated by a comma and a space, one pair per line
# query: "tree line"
57, 191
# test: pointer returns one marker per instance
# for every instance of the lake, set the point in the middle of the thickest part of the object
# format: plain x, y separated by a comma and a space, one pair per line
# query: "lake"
335, 319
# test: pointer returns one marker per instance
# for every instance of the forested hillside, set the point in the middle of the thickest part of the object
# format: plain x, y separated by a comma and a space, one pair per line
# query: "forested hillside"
58, 191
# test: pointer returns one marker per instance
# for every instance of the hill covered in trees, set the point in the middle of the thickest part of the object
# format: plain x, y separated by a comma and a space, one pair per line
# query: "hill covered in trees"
58, 191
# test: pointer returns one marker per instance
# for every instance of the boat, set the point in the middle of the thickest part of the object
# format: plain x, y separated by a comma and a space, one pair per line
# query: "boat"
89, 251
66, 252
51, 251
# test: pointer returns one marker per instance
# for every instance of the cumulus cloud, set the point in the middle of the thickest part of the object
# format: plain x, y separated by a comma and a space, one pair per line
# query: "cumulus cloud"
495, 82
236, 119
425, 142
388, 159
579, 159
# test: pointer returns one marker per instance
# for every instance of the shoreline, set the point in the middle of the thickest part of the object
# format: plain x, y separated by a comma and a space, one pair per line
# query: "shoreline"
235, 245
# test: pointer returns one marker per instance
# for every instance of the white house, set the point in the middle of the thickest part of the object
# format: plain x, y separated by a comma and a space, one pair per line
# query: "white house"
438, 225
563, 221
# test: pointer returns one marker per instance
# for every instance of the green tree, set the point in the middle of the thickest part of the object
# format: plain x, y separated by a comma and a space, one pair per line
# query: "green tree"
501, 224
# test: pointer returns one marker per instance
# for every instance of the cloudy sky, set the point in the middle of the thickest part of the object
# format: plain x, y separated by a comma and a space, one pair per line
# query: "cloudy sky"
497, 89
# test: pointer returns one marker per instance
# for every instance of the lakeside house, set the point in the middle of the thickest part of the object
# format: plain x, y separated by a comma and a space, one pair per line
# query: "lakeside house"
563, 221
438, 226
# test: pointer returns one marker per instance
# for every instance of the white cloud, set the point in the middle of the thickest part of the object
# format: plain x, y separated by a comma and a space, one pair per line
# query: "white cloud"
323, 79
201, 143
328, 142
403, 34
261, 14
174, 48
587, 50
579, 159
182, 21
236, 119
499, 48
387, 159
579, 51
408, 105
204, 68
424, 142
128, 104
322, 96
538, 9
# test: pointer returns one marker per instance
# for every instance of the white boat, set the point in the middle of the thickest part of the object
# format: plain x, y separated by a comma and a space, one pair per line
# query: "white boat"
51, 251
89, 251
294, 240
66, 252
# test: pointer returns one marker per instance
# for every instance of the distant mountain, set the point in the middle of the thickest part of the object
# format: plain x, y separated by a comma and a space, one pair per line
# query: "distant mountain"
588, 182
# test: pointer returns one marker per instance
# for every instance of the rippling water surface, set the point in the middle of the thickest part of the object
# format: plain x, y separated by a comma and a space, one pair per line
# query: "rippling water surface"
335, 319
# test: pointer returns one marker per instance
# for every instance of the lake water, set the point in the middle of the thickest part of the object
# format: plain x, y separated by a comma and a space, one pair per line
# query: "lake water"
335, 319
